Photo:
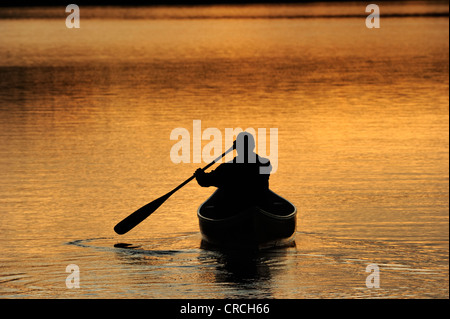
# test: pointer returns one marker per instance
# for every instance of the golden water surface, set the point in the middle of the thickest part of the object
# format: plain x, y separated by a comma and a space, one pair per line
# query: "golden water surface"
85, 122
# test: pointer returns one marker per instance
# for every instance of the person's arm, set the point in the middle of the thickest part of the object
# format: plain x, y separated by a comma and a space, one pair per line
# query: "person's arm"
203, 179
209, 179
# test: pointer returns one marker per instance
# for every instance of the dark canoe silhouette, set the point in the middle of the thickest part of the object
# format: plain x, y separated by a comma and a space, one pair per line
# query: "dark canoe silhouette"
273, 225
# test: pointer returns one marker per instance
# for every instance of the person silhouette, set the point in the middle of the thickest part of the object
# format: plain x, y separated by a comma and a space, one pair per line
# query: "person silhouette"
242, 182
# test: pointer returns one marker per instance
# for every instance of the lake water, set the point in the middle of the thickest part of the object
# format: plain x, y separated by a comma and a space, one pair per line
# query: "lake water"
363, 148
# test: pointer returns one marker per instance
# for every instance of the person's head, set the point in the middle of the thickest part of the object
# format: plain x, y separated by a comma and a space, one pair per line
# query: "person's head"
245, 140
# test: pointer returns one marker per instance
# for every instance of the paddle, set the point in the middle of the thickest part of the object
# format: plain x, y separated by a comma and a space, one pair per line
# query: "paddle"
142, 213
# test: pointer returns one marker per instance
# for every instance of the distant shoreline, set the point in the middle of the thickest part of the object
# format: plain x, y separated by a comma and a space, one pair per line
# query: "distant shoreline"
269, 10
49, 3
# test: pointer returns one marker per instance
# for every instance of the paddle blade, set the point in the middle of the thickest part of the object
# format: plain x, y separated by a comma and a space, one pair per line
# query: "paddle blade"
138, 216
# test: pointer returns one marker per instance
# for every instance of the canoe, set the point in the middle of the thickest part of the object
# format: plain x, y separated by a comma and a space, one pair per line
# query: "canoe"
260, 226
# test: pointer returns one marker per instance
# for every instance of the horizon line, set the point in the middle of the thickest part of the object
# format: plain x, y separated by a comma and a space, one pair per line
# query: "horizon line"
138, 3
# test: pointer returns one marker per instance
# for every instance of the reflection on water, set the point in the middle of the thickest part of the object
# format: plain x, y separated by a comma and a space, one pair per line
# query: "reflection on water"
243, 273
85, 121
319, 267
250, 273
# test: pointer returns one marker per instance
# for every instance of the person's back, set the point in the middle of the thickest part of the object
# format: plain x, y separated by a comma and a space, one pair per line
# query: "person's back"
243, 181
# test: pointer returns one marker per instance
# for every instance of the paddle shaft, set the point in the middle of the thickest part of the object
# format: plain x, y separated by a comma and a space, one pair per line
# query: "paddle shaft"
203, 169
142, 213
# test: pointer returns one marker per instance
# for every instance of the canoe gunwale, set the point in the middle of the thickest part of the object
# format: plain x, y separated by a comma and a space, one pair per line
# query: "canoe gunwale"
237, 216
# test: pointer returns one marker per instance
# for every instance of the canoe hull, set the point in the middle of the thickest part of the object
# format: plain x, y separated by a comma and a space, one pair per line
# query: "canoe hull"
256, 227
